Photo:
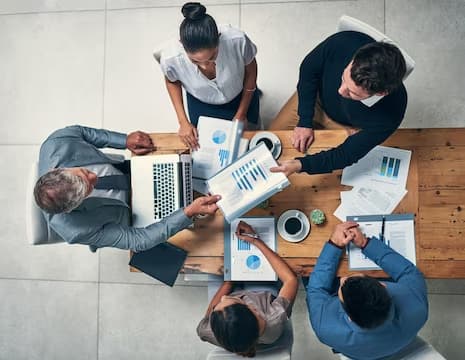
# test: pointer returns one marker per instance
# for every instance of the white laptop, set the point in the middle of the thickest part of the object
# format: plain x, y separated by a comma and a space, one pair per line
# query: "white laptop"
160, 184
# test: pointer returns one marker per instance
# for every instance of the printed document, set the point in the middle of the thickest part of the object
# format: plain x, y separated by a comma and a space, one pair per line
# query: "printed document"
220, 143
365, 201
378, 180
247, 182
242, 260
382, 166
399, 234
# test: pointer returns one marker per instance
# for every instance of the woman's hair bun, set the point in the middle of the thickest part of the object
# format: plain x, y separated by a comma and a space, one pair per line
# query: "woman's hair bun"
193, 11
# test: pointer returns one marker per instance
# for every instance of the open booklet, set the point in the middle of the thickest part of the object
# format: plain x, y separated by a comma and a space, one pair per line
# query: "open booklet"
247, 182
242, 260
220, 143
399, 234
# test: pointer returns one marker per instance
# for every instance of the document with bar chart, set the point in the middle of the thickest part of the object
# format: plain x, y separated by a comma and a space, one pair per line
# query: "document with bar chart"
242, 260
247, 182
220, 144
381, 166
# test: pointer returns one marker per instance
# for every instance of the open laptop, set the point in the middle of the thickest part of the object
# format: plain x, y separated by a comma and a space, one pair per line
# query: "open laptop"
160, 184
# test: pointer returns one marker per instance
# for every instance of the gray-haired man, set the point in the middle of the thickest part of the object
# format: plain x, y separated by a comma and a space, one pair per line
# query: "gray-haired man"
70, 163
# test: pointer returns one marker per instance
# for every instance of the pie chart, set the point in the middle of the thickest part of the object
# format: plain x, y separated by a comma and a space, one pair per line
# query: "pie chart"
253, 262
219, 136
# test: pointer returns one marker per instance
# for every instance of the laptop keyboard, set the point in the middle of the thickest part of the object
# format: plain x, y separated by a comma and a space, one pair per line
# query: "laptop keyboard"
164, 189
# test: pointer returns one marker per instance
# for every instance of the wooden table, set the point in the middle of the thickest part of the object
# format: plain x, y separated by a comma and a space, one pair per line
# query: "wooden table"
436, 195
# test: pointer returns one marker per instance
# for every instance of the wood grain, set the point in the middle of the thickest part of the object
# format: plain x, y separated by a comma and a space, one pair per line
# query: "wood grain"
436, 195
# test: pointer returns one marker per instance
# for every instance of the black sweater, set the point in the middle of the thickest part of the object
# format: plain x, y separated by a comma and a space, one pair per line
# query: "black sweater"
320, 73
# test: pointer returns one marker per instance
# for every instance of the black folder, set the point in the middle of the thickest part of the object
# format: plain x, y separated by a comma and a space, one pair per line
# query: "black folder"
161, 262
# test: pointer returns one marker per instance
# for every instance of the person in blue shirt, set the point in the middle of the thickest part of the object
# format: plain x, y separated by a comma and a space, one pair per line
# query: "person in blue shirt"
365, 318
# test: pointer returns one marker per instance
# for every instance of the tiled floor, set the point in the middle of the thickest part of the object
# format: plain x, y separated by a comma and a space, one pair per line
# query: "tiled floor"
90, 62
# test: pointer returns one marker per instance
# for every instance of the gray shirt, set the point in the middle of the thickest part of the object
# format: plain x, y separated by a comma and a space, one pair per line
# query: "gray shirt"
235, 52
275, 310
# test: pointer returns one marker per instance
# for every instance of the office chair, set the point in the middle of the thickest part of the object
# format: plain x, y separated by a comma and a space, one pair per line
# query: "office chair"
280, 350
37, 230
418, 349
347, 23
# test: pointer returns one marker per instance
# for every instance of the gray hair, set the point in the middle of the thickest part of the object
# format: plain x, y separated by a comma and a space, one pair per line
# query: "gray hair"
59, 191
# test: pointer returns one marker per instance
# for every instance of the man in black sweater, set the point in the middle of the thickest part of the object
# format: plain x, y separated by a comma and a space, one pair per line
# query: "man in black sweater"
350, 81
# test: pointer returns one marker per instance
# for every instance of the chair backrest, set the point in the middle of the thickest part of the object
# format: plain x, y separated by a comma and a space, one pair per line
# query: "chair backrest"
418, 349
347, 23
280, 350
37, 229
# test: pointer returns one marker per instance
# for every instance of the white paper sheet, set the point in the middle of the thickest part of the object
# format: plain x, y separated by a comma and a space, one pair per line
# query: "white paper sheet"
219, 143
382, 166
247, 262
365, 200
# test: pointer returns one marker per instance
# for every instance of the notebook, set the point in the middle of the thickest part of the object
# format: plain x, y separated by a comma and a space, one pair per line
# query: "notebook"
162, 262
247, 182
399, 234
242, 260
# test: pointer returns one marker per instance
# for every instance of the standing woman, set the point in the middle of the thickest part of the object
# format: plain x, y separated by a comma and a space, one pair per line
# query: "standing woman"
216, 67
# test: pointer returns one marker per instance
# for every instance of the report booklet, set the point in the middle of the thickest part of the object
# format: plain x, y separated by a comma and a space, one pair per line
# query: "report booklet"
242, 260
220, 143
399, 234
247, 182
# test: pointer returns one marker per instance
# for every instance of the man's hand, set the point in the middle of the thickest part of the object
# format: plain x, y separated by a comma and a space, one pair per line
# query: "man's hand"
205, 205
189, 136
139, 143
342, 233
302, 138
359, 239
244, 228
288, 167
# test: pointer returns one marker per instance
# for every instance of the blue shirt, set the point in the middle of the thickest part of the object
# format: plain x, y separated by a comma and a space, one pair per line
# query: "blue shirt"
332, 325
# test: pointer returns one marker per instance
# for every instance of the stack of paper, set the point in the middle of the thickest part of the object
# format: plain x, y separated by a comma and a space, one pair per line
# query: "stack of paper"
247, 182
220, 143
378, 179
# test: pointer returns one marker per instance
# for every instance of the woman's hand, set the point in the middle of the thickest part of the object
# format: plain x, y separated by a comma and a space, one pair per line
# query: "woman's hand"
189, 135
246, 232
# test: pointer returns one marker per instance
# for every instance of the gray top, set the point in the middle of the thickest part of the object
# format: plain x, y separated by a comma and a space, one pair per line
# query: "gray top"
235, 52
275, 310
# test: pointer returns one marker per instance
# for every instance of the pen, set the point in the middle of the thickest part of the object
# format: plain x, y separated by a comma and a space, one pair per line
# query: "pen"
382, 229
255, 236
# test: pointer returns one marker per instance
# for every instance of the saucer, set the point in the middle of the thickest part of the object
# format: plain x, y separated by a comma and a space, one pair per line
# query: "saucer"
271, 141
301, 234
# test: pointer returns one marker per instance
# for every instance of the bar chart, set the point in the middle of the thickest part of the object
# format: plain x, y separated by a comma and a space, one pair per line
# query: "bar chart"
248, 175
390, 167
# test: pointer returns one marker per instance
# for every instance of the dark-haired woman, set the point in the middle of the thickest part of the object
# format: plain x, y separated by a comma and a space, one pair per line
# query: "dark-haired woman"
240, 320
216, 67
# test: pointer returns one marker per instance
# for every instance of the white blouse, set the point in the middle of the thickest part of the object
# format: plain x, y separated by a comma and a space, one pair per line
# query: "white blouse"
235, 51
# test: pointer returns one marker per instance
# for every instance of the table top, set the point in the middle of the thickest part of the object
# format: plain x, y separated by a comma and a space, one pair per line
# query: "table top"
436, 195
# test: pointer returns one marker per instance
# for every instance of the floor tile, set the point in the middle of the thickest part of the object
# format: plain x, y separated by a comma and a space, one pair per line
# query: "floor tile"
129, 4
151, 322
51, 320
18, 259
305, 340
446, 286
430, 32
29, 6
135, 92
52, 73
445, 329
286, 32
